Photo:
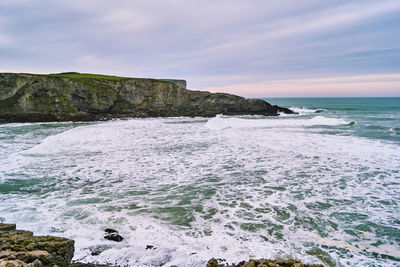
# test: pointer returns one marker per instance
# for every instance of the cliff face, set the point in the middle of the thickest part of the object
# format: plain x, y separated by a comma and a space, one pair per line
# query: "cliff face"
31, 97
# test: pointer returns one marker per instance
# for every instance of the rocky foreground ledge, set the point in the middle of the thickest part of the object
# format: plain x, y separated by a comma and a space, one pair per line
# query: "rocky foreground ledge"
19, 248
87, 97
22, 248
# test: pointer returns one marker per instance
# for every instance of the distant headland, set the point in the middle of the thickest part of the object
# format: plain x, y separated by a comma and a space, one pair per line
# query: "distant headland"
73, 96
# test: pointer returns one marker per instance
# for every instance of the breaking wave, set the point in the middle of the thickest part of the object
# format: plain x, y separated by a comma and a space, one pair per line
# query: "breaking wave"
220, 122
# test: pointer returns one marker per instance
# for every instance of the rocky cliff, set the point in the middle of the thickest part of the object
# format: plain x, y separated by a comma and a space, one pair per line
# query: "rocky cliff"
74, 96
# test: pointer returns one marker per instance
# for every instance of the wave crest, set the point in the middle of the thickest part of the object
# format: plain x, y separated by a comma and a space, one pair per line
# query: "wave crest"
219, 123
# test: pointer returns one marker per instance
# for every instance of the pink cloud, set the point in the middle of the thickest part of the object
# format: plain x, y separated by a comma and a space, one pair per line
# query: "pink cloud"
363, 85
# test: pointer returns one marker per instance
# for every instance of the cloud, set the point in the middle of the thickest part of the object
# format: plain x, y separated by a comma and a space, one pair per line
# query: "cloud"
210, 43
4, 40
362, 85
303, 24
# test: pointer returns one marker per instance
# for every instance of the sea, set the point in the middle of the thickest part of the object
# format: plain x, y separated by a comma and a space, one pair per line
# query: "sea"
321, 186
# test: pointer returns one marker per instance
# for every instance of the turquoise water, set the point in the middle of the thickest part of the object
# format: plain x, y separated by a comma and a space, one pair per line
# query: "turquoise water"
321, 186
375, 118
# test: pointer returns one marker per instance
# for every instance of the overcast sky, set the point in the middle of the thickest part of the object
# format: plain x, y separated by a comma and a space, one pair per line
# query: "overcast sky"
253, 48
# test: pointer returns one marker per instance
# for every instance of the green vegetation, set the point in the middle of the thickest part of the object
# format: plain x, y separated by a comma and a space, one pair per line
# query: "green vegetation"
77, 75
88, 76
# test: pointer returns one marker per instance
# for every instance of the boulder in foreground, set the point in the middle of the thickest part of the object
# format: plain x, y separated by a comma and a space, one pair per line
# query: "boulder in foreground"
22, 248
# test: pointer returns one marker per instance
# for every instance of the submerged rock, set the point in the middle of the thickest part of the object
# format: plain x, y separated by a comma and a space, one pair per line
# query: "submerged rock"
22, 248
97, 250
109, 230
84, 97
113, 235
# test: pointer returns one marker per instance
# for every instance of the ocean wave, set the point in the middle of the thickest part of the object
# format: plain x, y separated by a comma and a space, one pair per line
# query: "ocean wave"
305, 111
195, 194
394, 131
219, 123
24, 124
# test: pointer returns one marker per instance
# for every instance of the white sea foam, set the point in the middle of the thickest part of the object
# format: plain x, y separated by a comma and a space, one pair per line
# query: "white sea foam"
19, 124
219, 122
233, 188
303, 110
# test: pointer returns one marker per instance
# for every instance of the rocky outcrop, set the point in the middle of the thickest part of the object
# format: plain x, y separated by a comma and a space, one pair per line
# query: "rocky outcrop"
22, 248
262, 263
112, 235
80, 97
181, 83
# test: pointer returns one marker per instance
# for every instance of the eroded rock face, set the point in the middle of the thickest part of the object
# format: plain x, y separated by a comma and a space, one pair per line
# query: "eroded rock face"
7, 227
22, 248
34, 98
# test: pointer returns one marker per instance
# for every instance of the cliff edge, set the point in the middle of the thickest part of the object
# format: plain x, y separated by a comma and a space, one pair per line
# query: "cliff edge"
84, 97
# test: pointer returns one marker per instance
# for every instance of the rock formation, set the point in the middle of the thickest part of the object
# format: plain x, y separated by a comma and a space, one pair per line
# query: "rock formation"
22, 248
83, 97
113, 235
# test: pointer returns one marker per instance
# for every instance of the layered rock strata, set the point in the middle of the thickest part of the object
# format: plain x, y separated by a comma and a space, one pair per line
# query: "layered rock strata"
79, 97
22, 248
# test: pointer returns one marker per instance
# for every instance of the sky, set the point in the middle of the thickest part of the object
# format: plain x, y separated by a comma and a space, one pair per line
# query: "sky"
255, 48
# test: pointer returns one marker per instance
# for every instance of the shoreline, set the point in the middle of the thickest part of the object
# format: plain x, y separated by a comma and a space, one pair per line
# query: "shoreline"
20, 248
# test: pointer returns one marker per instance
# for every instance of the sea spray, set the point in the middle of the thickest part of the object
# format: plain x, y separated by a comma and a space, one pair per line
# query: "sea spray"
309, 187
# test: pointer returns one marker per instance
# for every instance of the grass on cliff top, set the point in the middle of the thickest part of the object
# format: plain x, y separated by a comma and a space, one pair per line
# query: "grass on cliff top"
77, 75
